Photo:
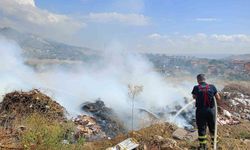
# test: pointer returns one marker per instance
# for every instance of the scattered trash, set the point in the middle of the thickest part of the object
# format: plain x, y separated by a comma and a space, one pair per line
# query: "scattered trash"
101, 122
65, 142
224, 121
88, 128
128, 144
235, 101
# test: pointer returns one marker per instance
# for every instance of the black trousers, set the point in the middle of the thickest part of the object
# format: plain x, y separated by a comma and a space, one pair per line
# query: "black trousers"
205, 117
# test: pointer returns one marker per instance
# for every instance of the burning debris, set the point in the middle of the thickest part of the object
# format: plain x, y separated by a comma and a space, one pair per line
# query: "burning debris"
88, 128
105, 117
102, 122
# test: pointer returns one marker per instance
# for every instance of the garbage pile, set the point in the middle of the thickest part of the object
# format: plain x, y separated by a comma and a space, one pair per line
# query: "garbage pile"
236, 102
9, 139
88, 128
22, 104
105, 117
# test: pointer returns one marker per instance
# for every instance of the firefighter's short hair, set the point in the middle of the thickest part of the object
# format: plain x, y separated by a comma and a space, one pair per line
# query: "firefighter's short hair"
201, 77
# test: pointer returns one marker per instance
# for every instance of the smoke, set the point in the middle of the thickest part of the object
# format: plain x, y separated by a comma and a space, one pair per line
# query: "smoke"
13, 72
107, 79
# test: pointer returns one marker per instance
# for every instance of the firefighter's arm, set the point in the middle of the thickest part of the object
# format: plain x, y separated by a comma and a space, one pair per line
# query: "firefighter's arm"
194, 92
218, 99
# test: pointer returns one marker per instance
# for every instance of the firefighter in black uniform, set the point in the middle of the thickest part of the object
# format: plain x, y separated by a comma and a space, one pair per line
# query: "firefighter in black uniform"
204, 95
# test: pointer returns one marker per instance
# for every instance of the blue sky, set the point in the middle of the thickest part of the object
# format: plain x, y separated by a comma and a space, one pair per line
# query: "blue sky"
232, 16
160, 26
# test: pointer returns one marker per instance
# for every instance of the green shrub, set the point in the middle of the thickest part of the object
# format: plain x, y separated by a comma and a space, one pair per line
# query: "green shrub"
42, 133
244, 135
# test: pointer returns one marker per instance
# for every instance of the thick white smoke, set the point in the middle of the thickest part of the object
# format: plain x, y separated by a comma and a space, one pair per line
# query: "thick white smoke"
13, 72
108, 80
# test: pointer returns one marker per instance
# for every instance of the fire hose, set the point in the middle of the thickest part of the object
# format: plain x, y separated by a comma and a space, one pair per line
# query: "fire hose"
215, 128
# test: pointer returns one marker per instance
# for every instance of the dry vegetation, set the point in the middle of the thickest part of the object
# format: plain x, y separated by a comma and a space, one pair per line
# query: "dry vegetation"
241, 88
32, 120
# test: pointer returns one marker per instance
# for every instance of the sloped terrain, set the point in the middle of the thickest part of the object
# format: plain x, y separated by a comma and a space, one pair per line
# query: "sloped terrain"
32, 120
37, 47
160, 137
236, 100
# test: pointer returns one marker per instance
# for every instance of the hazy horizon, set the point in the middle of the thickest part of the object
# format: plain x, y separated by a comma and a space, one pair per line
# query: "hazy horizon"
170, 27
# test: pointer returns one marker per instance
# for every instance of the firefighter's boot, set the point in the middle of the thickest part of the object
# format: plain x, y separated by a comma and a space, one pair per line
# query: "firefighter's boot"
203, 147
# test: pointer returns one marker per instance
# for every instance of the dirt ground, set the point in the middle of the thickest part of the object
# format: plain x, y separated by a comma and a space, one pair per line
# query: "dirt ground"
231, 137
155, 137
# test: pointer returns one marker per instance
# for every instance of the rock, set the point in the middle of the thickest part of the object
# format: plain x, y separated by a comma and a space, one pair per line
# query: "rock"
21, 128
65, 142
247, 142
192, 136
227, 135
159, 138
248, 116
179, 134
227, 114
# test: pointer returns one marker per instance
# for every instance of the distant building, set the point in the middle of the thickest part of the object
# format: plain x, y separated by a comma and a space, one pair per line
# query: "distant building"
247, 66
196, 63
212, 69
238, 65
238, 62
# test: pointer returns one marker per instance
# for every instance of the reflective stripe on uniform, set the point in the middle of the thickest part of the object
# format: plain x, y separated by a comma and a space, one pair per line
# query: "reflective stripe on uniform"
202, 137
203, 142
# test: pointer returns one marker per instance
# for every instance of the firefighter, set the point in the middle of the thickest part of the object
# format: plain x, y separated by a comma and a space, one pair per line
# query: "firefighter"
204, 95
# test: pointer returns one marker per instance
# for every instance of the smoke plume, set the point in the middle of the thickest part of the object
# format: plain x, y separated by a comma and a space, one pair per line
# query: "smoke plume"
107, 79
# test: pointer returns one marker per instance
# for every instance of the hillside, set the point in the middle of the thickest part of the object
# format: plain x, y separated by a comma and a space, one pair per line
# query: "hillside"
243, 57
36, 47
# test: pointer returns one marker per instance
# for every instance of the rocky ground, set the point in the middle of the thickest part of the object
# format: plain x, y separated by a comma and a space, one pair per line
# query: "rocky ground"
236, 99
32, 120
165, 136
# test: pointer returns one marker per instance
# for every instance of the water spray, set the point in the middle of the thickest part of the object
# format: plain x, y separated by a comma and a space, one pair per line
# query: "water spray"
215, 128
183, 108
150, 113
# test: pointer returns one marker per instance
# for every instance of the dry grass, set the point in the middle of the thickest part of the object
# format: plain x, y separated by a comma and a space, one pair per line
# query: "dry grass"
42, 133
234, 87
